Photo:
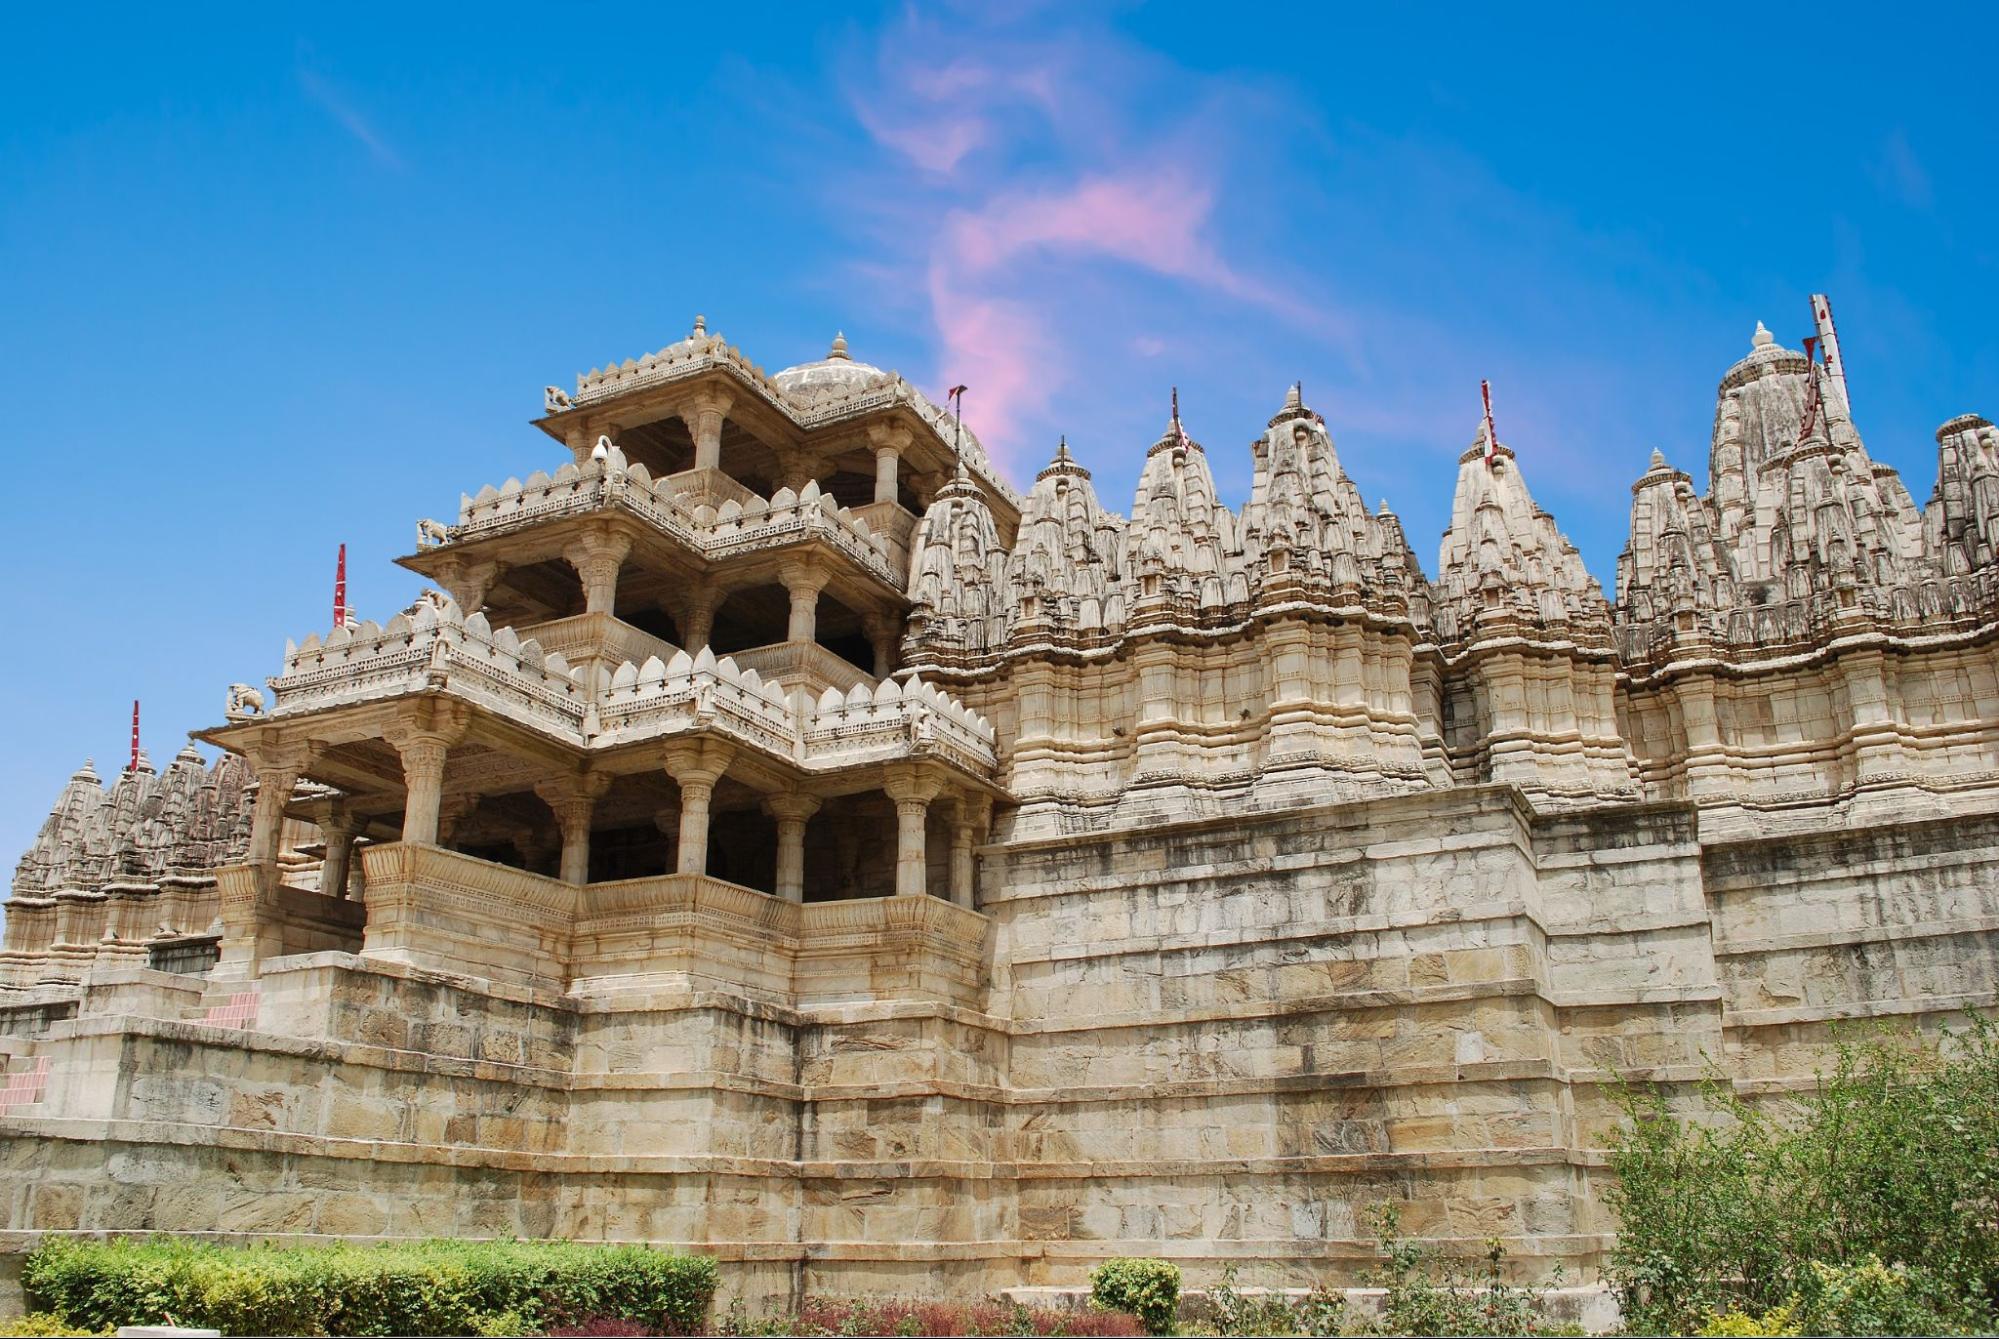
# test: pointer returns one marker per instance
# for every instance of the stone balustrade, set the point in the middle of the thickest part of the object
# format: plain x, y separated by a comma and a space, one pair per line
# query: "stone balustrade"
436, 647
436, 909
837, 730
735, 526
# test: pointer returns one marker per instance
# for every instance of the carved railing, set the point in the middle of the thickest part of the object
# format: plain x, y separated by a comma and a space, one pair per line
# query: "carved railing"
739, 523
435, 648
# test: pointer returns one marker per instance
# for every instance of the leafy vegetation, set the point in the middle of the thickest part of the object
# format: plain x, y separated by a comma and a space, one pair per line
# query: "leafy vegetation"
895, 1317
1138, 1286
1869, 1206
418, 1288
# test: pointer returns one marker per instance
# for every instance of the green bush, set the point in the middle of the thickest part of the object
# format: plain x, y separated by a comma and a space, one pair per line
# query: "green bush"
41, 1325
417, 1288
1143, 1287
1426, 1294
1743, 1207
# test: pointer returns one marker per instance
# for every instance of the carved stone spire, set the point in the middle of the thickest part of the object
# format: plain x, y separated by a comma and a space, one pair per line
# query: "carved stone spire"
1504, 561
1067, 565
1182, 536
957, 575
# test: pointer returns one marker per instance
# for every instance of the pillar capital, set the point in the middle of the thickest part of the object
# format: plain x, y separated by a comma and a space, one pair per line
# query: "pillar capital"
801, 576
889, 437
906, 783
791, 806
696, 762
429, 721
468, 583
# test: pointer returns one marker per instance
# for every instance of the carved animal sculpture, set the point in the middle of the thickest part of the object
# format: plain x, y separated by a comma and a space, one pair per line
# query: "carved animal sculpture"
429, 533
244, 702
553, 400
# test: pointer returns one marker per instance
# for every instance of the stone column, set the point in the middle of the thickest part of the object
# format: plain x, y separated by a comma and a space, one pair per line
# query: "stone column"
573, 801
912, 792
696, 765
968, 825
424, 745
339, 827
803, 584
703, 415
890, 443
597, 558
881, 633
579, 439
695, 617
277, 772
791, 810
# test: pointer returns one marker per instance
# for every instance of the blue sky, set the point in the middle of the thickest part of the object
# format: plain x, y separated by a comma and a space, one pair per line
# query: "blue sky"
271, 282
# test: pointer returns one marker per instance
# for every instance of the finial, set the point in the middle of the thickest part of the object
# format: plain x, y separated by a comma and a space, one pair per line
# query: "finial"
1295, 397
839, 349
1762, 337
700, 326
1062, 447
1176, 407
1383, 508
136, 754
1658, 459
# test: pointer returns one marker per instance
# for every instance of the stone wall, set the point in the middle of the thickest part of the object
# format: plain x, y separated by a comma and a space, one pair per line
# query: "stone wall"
1212, 1040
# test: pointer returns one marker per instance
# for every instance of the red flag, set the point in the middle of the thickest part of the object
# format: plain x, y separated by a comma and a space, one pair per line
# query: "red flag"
340, 589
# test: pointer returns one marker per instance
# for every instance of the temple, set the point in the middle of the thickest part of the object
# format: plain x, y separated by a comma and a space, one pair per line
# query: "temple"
770, 833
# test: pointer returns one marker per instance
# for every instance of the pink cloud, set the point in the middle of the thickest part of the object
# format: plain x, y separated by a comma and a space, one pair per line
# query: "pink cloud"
998, 349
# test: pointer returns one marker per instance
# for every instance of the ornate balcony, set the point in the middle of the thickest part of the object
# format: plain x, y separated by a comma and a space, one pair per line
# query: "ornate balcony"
682, 508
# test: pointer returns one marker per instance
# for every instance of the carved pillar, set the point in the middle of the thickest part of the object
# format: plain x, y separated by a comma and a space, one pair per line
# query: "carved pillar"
890, 443
696, 765
573, 801
577, 437
597, 558
794, 468
695, 617
339, 827
968, 826
882, 637
452, 810
912, 792
277, 772
703, 415
791, 811
803, 585
424, 748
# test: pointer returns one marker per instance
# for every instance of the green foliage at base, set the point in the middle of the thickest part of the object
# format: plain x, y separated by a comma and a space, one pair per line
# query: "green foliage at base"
1427, 1294
41, 1325
417, 1288
1140, 1286
1737, 1211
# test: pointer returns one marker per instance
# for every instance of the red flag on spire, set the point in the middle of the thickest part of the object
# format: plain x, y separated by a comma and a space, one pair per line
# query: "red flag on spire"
340, 589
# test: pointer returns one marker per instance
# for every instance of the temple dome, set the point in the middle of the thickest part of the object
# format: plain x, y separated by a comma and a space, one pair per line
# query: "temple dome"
835, 374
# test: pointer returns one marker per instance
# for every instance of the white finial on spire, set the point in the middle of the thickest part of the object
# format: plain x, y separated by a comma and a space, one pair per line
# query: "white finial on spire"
700, 326
1762, 337
1658, 459
839, 349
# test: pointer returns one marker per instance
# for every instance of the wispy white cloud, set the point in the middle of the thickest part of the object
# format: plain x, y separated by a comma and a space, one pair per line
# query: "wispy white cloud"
1037, 178
336, 104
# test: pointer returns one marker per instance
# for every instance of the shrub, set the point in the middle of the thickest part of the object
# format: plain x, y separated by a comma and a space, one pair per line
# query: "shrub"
1893, 1157
1144, 1287
417, 1288
1268, 1313
41, 1325
899, 1317
1779, 1322
1459, 1300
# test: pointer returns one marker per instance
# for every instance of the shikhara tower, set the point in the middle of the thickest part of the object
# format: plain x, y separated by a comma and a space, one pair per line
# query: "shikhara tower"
774, 835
